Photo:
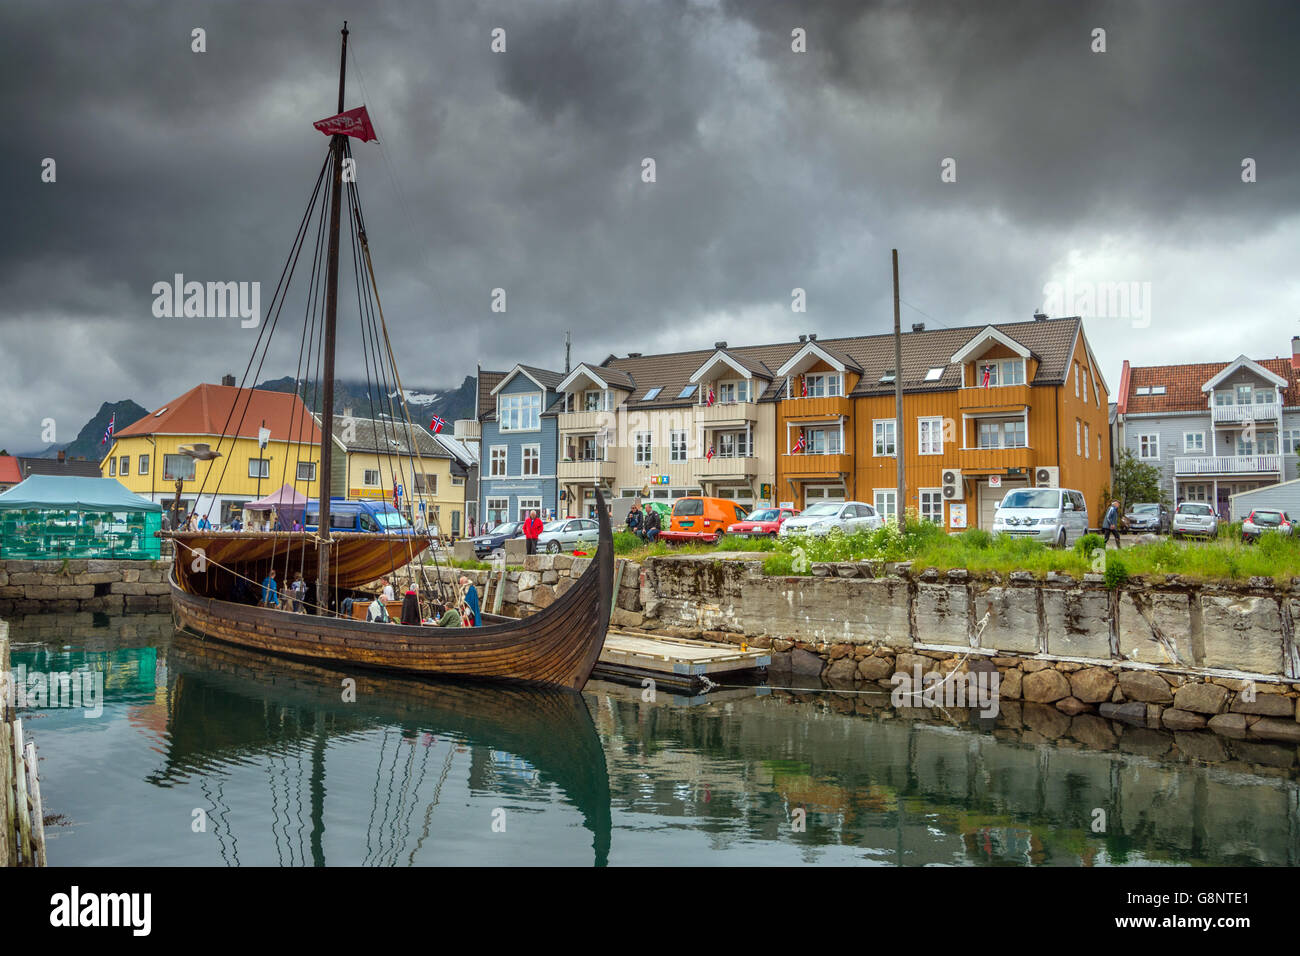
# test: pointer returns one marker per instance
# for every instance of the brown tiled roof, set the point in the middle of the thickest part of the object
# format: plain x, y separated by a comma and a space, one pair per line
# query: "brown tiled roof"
1051, 342
1183, 385
380, 436
486, 382
55, 466
224, 409
614, 376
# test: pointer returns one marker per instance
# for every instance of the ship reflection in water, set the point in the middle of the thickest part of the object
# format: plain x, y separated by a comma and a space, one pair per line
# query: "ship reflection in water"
212, 755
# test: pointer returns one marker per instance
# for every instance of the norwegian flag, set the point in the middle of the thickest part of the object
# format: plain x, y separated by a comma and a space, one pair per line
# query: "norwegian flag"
988, 371
803, 386
437, 424
397, 496
711, 396
709, 456
108, 432
801, 444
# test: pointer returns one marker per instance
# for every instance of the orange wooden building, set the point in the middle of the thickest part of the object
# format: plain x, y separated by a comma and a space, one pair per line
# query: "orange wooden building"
985, 409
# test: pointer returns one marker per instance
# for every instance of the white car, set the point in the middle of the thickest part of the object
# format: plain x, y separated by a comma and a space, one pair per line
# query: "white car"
828, 516
1054, 516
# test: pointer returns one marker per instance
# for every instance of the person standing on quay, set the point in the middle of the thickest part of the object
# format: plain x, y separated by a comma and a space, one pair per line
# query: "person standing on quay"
532, 531
1110, 524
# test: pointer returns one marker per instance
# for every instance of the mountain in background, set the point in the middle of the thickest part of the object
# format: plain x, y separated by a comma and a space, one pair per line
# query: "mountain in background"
89, 441
424, 403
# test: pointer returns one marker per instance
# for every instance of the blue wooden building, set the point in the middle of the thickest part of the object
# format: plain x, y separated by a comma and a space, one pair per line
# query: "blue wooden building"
518, 411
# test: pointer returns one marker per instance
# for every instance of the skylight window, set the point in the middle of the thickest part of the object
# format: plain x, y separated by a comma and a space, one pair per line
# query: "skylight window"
1157, 389
888, 376
687, 392
934, 374
1144, 390
651, 395
158, 414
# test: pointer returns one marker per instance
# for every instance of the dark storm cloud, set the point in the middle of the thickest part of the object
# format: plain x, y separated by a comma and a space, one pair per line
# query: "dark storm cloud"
521, 171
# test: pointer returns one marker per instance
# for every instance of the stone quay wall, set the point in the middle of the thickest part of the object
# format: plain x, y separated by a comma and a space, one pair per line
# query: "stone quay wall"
1167, 654
86, 584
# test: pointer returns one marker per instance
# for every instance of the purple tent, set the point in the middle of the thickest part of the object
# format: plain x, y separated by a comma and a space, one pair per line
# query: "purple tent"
288, 504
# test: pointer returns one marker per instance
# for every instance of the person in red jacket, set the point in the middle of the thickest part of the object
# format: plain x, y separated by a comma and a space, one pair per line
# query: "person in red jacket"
532, 529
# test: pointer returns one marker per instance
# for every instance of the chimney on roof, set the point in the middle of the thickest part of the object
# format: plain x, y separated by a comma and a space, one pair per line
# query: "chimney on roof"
918, 326
228, 380
347, 411
60, 454
1040, 316
812, 336
803, 339
633, 354
719, 345
1295, 351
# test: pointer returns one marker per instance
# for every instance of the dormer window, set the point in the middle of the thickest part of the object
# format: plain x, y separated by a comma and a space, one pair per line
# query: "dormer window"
823, 384
598, 400
734, 391
999, 372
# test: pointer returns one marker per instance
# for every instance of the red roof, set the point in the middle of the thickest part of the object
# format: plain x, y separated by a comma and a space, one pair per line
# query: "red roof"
226, 410
10, 473
1183, 386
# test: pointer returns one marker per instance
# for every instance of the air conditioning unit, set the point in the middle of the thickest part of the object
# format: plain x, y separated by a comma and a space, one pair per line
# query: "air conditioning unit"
953, 489
1047, 476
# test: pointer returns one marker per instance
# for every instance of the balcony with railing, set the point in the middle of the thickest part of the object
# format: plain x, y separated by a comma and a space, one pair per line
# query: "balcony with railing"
1228, 465
797, 465
995, 396
729, 466
995, 459
809, 409
590, 422
586, 469
723, 414
1239, 414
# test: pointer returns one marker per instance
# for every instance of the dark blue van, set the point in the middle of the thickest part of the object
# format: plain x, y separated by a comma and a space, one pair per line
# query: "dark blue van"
362, 516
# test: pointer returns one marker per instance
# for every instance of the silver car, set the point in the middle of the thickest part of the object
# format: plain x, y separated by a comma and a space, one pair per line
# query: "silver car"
1057, 516
565, 534
828, 516
1195, 518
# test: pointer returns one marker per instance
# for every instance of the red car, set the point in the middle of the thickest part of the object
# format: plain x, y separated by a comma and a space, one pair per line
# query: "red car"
762, 521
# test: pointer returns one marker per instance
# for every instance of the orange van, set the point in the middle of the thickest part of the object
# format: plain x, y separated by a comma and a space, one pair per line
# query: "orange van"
702, 519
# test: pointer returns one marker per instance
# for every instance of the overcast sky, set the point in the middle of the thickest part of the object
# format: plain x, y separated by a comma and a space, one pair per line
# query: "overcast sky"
522, 170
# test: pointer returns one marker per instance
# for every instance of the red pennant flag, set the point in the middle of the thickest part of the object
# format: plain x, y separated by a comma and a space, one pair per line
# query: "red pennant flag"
351, 123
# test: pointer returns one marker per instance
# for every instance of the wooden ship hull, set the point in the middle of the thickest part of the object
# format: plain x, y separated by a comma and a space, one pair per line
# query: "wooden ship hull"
558, 646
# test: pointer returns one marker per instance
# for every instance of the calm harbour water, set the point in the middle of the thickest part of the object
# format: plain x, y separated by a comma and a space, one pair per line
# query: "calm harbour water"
208, 755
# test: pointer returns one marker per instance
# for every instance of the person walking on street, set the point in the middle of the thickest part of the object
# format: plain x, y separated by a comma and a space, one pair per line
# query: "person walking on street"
532, 531
1110, 524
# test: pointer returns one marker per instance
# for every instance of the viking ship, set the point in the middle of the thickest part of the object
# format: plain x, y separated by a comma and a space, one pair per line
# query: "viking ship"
214, 572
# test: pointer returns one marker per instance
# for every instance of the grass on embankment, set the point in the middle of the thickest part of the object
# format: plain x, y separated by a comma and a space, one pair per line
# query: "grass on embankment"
926, 545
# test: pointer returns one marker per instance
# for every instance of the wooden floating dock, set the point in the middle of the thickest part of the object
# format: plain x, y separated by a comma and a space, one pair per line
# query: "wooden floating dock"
22, 838
673, 659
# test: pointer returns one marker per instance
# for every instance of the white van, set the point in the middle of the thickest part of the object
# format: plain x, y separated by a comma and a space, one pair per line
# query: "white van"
1057, 516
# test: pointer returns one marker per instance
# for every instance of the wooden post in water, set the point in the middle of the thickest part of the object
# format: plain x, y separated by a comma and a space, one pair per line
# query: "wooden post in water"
323, 589
8, 847
21, 813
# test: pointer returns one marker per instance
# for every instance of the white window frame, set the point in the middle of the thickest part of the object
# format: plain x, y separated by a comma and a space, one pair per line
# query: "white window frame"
823, 384
124, 466
143, 467
504, 459
1290, 439
499, 505
877, 434
926, 508
526, 505
935, 441
112, 467
1149, 446
1078, 437
367, 480
1076, 379
643, 448
997, 378
1087, 439
526, 452
833, 444
525, 407
264, 467
677, 447
1188, 446
887, 513
311, 474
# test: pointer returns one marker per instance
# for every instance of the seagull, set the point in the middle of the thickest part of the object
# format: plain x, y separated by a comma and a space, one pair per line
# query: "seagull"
200, 450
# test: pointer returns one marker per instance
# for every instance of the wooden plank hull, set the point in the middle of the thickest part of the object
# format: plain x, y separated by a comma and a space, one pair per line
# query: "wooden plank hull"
557, 646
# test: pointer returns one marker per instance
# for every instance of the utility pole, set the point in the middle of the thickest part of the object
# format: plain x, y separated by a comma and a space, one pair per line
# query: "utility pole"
898, 401
566, 351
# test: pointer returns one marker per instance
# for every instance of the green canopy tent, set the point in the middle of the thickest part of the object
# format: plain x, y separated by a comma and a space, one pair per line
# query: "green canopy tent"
64, 516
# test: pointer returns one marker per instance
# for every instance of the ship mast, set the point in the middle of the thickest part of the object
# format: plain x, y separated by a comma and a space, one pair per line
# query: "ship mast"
327, 375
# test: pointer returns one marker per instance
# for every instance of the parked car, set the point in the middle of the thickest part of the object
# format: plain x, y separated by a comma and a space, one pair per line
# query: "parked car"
1195, 518
1056, 516
1148, 516
701, 519
566, 534
1261, 520
370, 517
491, 541
827, 516
762, 521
